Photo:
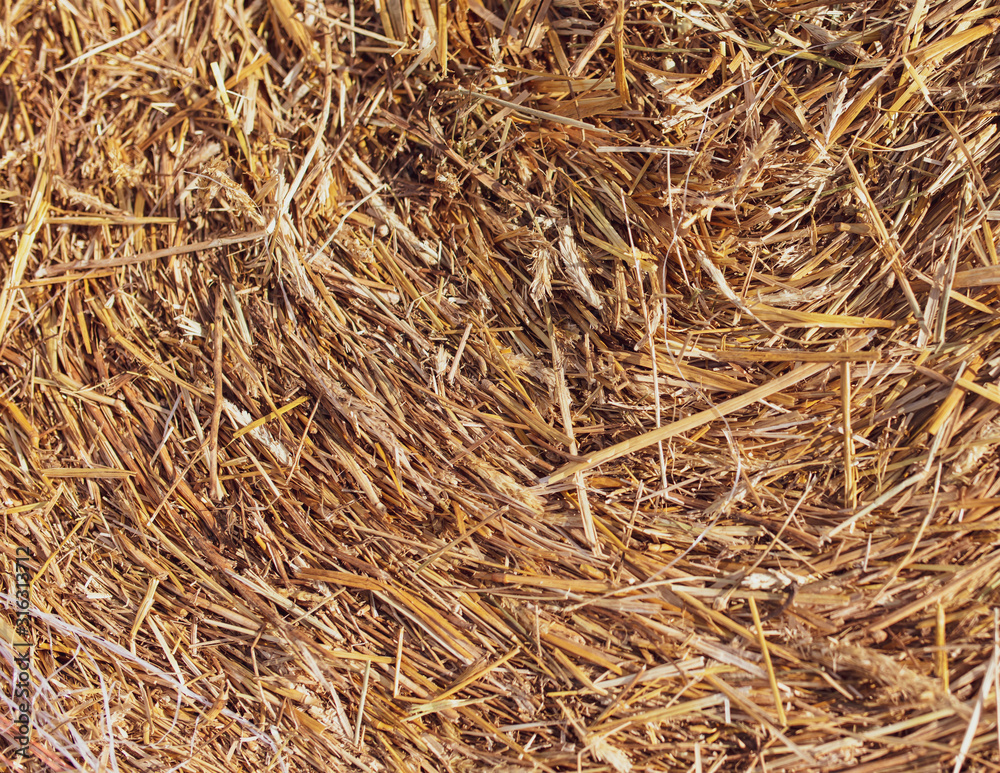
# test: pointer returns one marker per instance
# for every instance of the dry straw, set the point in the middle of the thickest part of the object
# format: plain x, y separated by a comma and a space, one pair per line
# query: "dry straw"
591, 386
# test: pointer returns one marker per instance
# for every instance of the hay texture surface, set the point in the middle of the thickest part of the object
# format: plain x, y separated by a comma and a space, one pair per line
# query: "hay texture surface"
501, 386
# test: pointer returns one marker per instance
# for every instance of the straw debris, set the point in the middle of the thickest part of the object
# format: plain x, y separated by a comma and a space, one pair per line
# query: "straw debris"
591, 386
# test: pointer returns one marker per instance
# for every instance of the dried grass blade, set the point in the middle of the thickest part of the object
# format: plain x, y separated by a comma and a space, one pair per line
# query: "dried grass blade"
38, 206
633, 445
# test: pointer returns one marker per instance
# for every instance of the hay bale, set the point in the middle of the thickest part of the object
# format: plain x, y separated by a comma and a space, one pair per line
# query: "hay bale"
473, 386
